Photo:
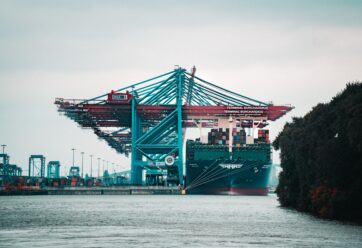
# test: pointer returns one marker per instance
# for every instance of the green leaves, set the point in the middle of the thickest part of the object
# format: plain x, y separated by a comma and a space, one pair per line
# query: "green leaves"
323, 150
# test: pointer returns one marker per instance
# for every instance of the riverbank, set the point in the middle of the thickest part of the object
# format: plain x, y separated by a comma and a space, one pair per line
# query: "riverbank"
119, 190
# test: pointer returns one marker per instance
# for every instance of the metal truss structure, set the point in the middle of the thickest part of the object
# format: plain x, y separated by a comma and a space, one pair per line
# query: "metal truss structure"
148, 118
7, 169
36, 166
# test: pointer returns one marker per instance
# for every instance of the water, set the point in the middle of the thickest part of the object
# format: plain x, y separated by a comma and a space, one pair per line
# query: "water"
164, 221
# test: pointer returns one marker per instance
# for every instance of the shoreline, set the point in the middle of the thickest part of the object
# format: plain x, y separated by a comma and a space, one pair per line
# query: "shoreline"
123, 190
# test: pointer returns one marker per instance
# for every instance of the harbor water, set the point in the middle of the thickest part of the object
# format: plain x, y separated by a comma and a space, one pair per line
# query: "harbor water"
165, 221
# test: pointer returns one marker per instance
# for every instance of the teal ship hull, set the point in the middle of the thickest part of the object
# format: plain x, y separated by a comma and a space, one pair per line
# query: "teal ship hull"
212, 169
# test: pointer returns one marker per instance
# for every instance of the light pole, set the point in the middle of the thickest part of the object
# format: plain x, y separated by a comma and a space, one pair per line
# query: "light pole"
73, 149
91, 156
82, 162
103, 166
99, 161
107, 165
3, 148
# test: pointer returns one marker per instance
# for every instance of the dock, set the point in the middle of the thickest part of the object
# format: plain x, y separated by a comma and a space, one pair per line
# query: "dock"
116, 190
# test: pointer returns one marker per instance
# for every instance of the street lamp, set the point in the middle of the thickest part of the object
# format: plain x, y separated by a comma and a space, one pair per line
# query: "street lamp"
73, 149
91, 156
82, 162
99, 160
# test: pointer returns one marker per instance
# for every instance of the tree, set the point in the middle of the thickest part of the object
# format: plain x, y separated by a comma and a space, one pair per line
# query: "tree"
321, 157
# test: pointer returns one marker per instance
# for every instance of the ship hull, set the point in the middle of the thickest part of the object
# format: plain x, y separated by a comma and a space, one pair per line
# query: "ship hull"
224, 177
211, 169
229, 191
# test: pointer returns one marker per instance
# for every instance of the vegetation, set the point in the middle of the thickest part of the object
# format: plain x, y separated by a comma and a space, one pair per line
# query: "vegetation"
321, 157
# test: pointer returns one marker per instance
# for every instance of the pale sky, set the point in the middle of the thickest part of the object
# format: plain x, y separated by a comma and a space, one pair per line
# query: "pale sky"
296, 52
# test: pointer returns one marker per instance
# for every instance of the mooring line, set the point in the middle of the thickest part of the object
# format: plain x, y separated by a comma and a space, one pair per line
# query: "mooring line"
216, 172
206, 177
199, 177
216, 178
228, 174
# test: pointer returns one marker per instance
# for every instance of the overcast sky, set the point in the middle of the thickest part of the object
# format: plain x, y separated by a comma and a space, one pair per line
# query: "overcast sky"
297, 52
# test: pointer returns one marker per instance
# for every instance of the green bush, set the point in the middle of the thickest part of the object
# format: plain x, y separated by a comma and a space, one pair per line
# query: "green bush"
321, 157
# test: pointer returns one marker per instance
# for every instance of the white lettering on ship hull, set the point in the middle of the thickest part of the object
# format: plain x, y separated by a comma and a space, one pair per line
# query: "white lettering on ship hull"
231, 166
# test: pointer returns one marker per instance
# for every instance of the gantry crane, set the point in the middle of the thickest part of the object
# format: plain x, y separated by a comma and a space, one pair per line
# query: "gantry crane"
148, 118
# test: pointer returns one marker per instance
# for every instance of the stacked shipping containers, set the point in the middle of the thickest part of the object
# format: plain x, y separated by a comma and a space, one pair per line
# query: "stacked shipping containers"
220, 136
263, 136
73, 181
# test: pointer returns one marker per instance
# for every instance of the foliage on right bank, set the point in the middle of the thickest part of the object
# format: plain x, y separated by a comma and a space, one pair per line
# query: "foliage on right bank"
321, 158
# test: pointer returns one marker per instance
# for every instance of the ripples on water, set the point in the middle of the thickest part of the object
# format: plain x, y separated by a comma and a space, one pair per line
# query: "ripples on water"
164, 221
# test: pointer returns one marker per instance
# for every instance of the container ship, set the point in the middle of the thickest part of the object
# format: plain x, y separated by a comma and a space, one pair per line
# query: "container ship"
229, 163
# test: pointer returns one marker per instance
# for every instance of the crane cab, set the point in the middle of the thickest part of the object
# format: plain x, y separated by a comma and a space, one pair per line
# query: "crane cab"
118, 97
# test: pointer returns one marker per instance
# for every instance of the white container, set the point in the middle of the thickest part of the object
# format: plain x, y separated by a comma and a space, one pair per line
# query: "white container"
204, 139
249, 140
